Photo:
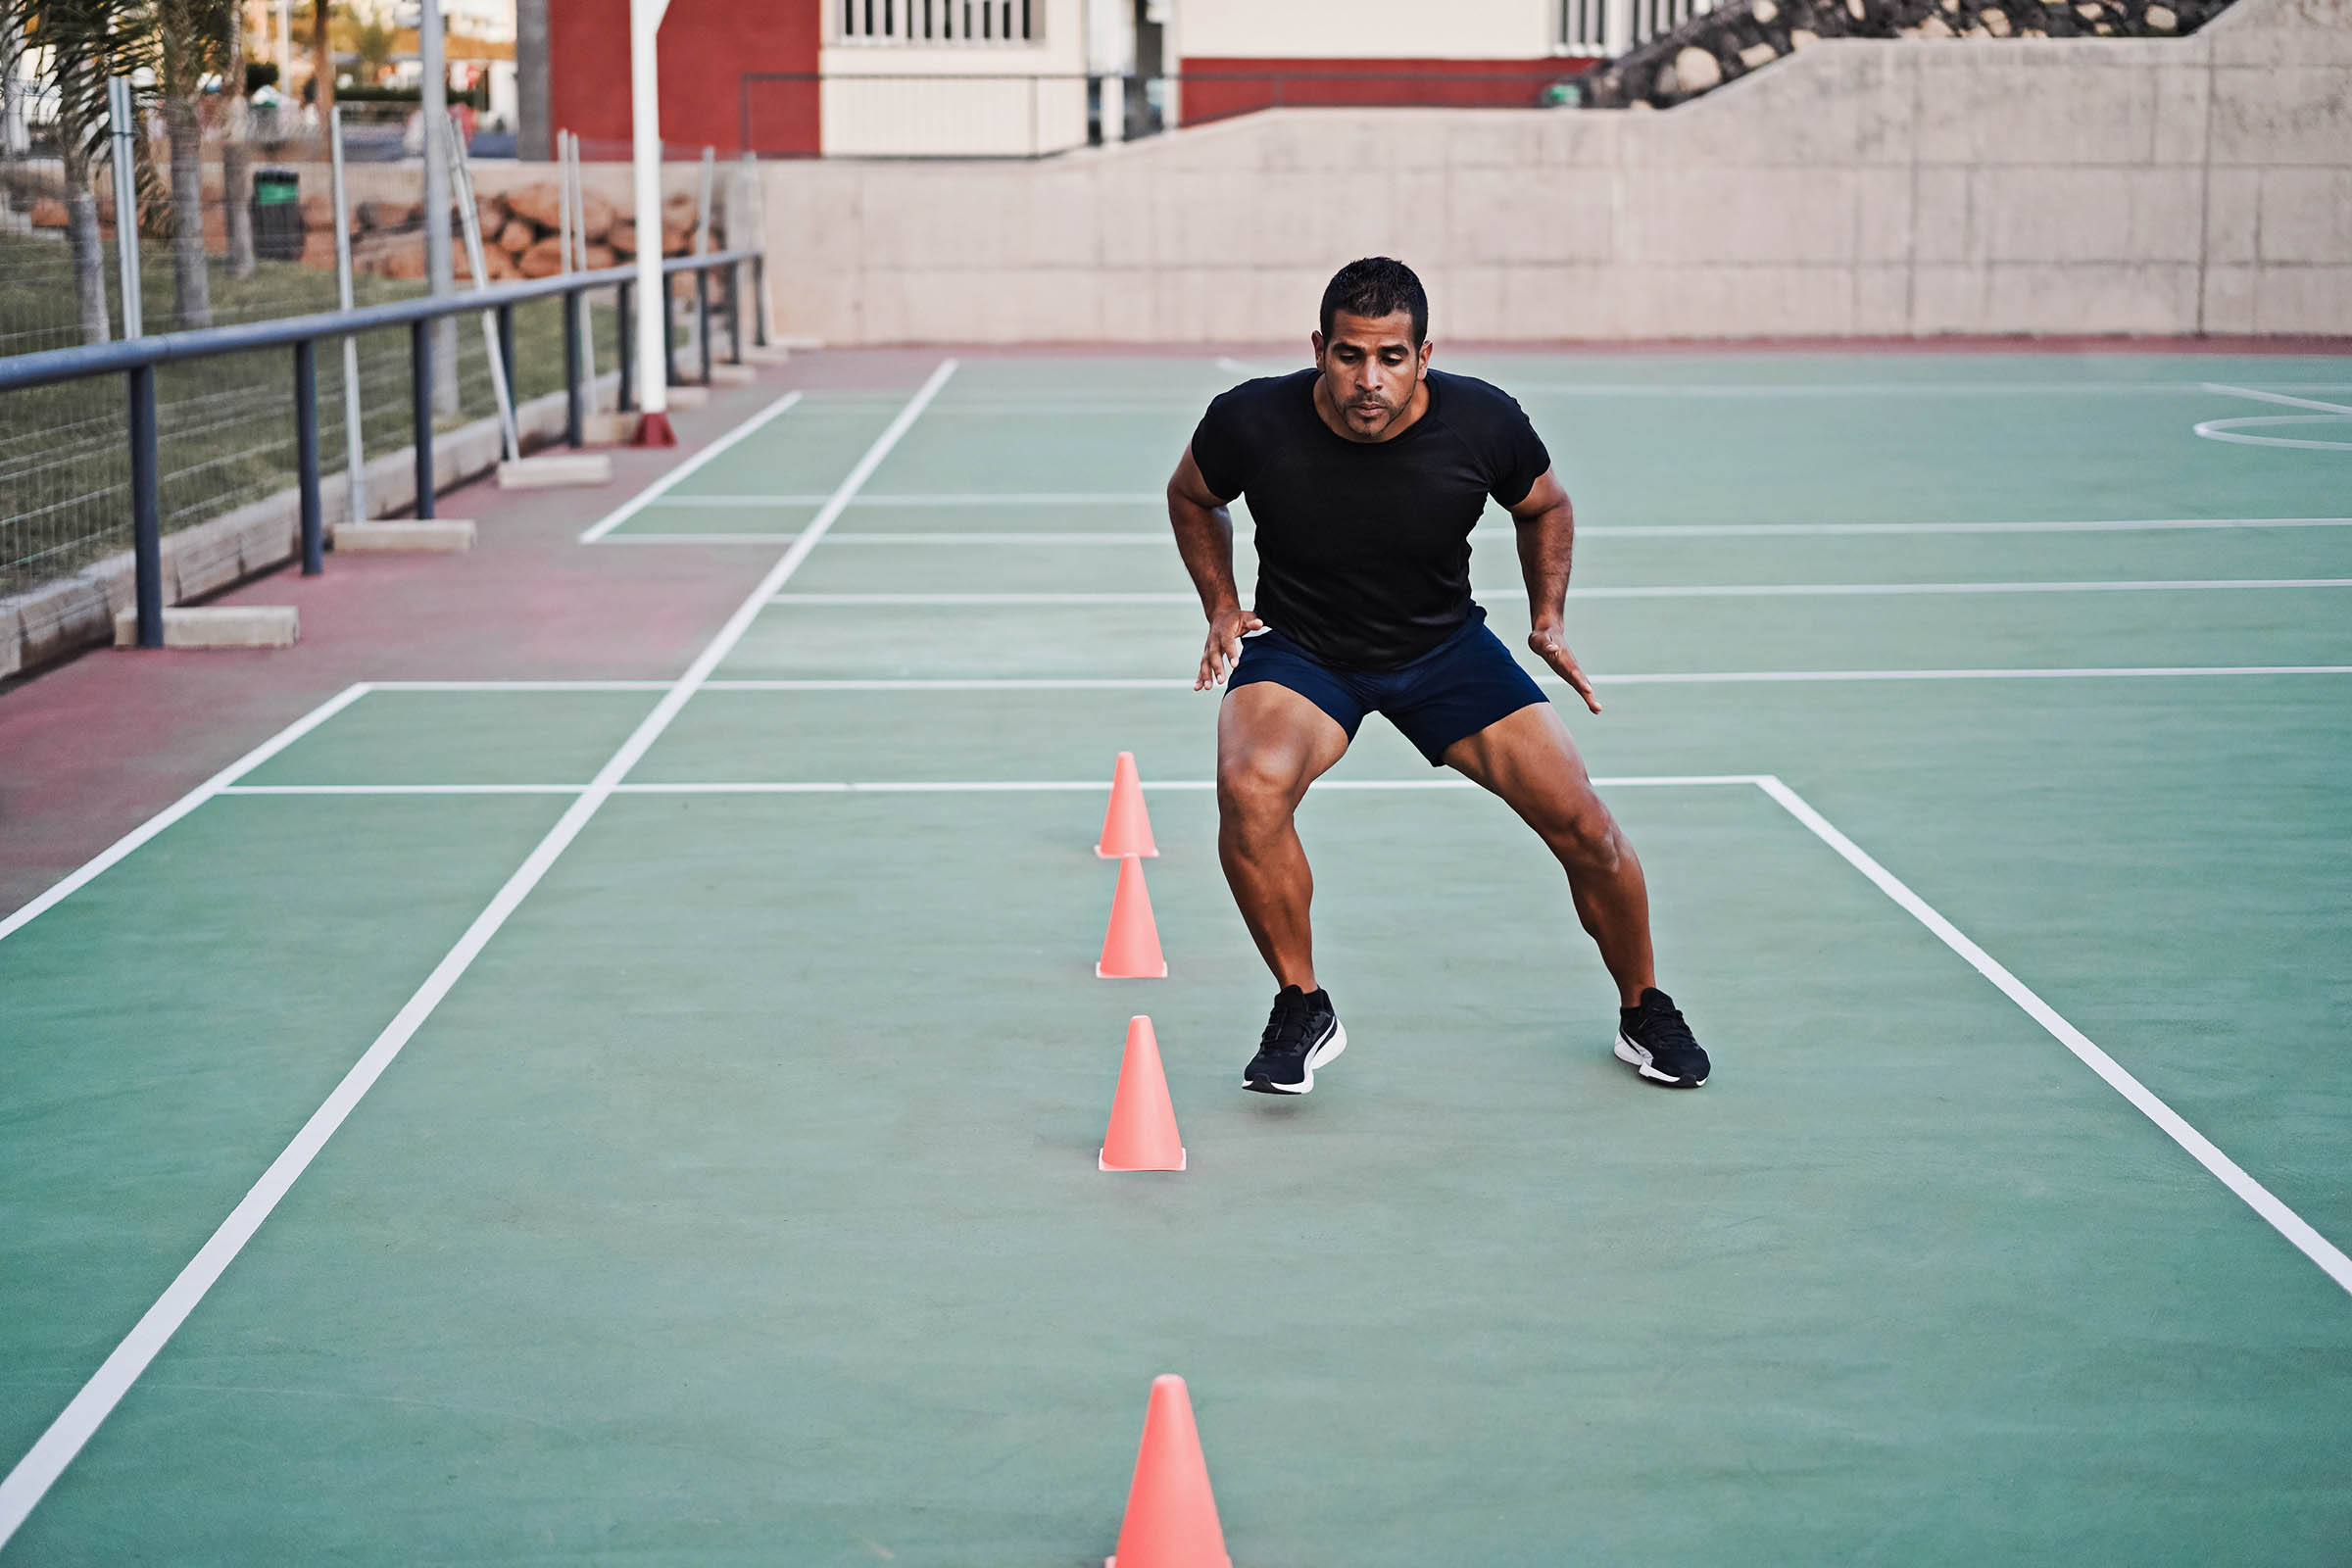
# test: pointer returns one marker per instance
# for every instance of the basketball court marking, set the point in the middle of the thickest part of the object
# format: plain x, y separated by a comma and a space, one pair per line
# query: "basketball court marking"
1160, 537
1791, 590
31, 1476
938, 786
645, 497
985, 498
121, 846
2281, 1218
2331, 414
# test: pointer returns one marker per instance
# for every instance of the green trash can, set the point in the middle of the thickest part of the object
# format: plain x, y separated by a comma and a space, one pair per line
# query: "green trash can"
277, 215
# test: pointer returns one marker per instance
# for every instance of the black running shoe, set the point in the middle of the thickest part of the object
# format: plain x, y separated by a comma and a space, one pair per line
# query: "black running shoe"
1301, 1034
1659, 1045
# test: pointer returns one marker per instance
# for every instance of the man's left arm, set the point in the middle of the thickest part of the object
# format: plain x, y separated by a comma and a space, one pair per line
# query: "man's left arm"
1546, 528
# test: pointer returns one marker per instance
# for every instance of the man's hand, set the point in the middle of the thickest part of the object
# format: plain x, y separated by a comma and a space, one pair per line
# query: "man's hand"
1224, 646
1546, 641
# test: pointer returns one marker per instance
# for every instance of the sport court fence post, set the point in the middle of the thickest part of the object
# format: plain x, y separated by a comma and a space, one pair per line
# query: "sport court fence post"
506, 346
735, 313
669, 336
420, 401
306, 456
626, 399
146, 508
574, 433
701, 319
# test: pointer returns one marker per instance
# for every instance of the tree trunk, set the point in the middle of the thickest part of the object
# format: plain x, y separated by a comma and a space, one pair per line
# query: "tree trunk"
82, 241
322, 62
191, 288
236, 158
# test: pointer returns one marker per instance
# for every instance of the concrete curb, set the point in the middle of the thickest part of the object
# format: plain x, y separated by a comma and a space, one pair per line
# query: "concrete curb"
79, 612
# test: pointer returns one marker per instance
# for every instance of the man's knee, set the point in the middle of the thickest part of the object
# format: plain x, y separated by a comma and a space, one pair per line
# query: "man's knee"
1586, 837
1255, 791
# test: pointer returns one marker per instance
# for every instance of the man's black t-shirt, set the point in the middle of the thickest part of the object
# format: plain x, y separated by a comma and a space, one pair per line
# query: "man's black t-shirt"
1363, 547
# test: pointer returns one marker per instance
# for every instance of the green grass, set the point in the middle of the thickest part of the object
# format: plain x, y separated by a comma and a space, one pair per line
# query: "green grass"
225, 425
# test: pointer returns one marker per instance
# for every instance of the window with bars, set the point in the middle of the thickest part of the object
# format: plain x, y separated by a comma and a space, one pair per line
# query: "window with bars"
939, 21
1611, 26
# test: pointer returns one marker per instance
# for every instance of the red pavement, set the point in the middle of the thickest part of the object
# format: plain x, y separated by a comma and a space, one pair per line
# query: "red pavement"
91, 748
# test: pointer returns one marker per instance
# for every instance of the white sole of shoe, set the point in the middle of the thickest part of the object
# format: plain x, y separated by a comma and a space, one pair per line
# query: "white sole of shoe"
1328, 1051
1639, 1059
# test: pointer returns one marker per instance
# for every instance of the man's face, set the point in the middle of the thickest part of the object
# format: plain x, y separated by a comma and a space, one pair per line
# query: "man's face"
1370, 369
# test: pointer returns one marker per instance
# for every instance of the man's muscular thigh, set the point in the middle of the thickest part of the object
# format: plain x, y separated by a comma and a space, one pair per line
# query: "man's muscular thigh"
1271, 744
1528, 759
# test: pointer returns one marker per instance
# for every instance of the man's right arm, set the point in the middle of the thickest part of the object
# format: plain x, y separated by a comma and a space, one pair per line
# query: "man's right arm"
1205, 538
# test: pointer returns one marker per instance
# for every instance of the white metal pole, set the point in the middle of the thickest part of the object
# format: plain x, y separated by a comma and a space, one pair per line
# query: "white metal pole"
644, 154
702, 201
438, 271
355, 484
469, 219
122, 131
579, 206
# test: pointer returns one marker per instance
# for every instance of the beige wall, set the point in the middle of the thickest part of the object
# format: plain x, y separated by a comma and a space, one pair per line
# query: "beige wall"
1860, 187
1455, 30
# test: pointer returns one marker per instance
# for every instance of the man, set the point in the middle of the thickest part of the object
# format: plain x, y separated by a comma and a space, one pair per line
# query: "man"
1365, 475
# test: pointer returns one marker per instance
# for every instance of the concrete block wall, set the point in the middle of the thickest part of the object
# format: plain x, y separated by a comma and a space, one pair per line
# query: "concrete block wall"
1861, 187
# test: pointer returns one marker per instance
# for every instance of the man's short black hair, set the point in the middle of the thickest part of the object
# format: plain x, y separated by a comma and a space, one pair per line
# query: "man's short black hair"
1376, 286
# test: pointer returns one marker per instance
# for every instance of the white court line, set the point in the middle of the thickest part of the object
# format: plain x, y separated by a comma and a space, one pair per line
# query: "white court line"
1094, 785
2252, 1193
2234, 430
2261, 395
2284, 1220
1159, 538
33, 1475
697, 539
1793, 589
2091, 673
1845, 389
519, 685
404, 789
114, 852
630, 508
1171, 683
951, 498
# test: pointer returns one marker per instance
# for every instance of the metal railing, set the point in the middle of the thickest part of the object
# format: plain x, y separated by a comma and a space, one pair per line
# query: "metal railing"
137, 359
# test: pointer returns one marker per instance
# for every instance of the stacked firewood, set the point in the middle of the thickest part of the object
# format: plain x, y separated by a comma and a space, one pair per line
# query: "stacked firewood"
522, 234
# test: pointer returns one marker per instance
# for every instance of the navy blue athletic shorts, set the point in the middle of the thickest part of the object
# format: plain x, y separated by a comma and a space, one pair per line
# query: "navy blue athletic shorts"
1456, 689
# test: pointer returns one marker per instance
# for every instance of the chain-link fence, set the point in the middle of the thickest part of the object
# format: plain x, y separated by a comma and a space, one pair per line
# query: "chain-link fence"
267, 250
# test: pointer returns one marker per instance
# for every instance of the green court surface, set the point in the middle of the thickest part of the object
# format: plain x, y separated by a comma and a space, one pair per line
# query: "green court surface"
687, 1155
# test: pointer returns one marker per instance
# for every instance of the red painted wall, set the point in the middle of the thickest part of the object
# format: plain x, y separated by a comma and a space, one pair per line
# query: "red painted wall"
1218, 87
707, 48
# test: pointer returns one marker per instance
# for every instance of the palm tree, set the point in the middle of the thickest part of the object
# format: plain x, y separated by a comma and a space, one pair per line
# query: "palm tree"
237, 153
191, 43
88, 42
322, 59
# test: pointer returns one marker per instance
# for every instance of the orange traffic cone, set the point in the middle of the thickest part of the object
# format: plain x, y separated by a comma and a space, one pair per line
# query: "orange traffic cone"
1131, 947
1126, 829
1171, 1515
1142, 1120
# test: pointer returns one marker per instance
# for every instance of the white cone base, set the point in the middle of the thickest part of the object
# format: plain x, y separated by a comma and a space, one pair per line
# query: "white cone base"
1102, 974
1104, 1164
